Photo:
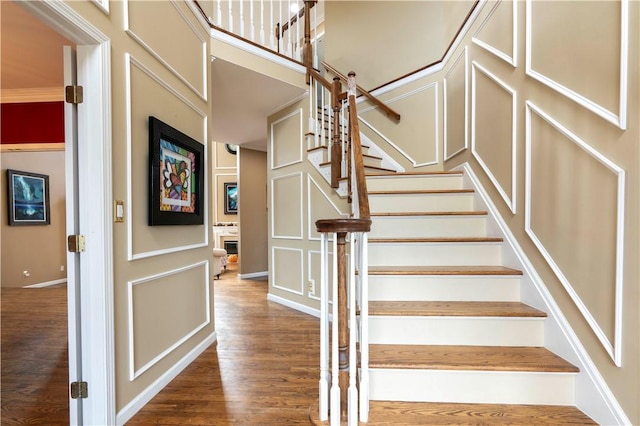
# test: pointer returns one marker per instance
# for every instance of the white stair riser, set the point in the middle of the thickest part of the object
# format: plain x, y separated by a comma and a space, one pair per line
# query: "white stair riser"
428, 226
435, 254
472, 387
420, 202
444, 288
414, 182
473, 331
372, 162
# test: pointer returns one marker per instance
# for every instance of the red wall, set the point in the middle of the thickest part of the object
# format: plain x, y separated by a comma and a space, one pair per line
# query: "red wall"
36, 122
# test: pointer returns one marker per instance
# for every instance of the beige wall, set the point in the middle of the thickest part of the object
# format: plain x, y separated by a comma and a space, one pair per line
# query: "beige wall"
384, 40
40, 250
252, 212
162, 284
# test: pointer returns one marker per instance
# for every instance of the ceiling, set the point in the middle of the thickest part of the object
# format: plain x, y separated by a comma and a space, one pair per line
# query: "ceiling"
242, 99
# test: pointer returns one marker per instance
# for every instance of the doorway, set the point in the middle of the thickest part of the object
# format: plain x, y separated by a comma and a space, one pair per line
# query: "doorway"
89, 273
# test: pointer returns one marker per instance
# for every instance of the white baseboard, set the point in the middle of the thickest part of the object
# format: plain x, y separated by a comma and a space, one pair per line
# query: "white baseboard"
593, 395
293, 305
253, 275
47, 283
146, 395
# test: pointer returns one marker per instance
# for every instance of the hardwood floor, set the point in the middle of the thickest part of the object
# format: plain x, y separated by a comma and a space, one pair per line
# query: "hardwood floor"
34, 359
262, 371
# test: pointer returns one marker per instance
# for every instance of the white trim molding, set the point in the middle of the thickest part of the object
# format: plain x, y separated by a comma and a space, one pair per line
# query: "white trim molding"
513, 59
274, 272
47, 283
300, 143
103, 5
203, 94
620, 118
433, 85
614, 349
129, 61
510, 200
135, 373
301, 206
464, 54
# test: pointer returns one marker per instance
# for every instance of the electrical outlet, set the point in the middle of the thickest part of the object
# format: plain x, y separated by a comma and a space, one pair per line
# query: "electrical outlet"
312, 287
26, 274
61, 268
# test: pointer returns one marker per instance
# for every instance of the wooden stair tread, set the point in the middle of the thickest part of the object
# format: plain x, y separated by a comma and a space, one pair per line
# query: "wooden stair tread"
453, 308
422, 191
438, 240
442, 270
401, 214
420, 174
389, 413
477, 358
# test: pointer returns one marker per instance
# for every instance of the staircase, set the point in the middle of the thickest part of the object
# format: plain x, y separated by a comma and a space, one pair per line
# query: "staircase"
450, 341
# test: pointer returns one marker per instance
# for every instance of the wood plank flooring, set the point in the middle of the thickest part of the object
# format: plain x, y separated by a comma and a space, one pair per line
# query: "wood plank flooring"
262, 371
34, 375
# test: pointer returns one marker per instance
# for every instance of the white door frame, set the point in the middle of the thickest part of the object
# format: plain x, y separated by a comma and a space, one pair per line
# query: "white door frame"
95, 213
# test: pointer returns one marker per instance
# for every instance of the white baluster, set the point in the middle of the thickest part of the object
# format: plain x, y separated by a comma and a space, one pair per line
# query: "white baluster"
280, 38
315, 37
364, 333
352, 393
335, 354
241, 18
324, 328
298, 54
252, 28
219, 14
262, 42
312, 122
289, 43
230, 6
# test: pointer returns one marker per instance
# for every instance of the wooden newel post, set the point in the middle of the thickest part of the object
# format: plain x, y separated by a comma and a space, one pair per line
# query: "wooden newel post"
308, 47
336, 150
343, 322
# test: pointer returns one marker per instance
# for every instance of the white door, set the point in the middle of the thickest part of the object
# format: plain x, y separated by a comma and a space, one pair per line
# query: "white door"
73, 259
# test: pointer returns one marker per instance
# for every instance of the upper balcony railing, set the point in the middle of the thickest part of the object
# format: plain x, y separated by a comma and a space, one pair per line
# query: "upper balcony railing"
275, 25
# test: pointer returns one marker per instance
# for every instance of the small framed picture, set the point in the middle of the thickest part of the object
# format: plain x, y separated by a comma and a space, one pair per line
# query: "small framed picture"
28, 197
230, 198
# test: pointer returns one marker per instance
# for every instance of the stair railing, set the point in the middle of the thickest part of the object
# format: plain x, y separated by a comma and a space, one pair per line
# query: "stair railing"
344, 392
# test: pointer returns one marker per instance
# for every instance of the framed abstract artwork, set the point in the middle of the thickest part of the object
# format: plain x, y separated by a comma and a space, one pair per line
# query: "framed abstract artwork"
28, 196
176, 163
230, 198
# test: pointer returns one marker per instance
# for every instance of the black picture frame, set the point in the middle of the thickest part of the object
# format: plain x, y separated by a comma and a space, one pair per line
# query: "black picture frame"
230, 198
176, 173
28, 197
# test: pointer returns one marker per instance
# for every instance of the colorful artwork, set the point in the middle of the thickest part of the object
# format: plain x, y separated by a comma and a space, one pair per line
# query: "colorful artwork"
176, 173
177, 176
230, 198
28, 198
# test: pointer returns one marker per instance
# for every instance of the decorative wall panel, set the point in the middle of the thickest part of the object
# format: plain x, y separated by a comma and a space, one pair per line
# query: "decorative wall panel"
575, 216
493, 131
145, 241
496, 37
456, 106
319, 206
286, 206
186, 56
177, 302
287, 140
286, 267
314, 274
584, 59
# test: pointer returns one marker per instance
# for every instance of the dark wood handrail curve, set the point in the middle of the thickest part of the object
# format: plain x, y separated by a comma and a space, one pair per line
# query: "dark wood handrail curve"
377, 102
361, 183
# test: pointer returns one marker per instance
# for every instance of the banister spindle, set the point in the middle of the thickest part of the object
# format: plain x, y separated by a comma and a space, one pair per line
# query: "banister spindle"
336, 150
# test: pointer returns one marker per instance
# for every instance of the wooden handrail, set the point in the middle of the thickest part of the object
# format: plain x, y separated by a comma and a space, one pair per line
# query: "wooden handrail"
361, 184
387, 110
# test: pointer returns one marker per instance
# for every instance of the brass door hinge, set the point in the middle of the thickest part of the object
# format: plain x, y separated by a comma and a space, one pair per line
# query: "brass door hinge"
73, 94
79, 390
76, 243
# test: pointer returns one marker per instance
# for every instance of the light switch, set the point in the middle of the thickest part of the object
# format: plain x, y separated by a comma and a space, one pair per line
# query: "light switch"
119, 211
